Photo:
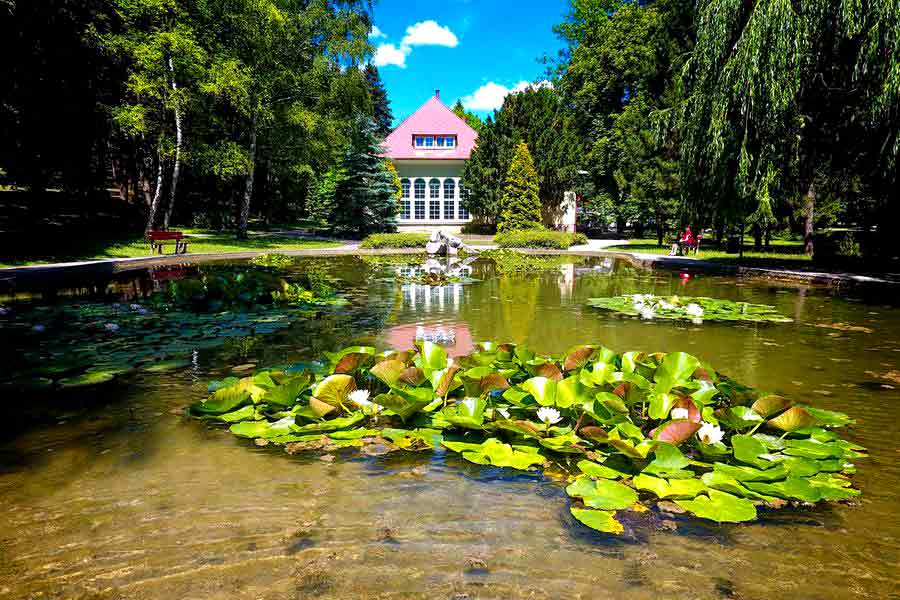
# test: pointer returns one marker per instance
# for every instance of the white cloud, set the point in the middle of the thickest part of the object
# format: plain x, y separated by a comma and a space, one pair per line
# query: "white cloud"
425, 33
490, 96
429, 33
389, 54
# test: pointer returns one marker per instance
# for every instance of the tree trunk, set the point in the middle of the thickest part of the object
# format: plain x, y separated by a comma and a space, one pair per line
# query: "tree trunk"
757, 238
179, 140
157, 194
248, 191
809, 208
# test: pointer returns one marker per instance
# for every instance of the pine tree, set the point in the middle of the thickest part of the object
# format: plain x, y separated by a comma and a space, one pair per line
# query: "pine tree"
381, 106
520, 206
367, 197
471, 119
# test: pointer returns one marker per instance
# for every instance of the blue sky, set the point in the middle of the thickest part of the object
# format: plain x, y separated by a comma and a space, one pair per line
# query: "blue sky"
476, 50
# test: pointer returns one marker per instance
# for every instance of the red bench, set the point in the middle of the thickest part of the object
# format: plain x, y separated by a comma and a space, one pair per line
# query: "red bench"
158, 238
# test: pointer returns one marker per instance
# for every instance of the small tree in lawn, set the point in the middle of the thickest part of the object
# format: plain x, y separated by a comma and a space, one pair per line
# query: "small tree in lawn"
366, 198
520, 206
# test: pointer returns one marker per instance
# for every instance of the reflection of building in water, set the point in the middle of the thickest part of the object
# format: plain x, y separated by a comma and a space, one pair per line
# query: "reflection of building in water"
404, 336
428, 298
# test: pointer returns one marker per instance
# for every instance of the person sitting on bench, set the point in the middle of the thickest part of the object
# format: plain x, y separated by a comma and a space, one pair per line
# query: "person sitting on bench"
686, 241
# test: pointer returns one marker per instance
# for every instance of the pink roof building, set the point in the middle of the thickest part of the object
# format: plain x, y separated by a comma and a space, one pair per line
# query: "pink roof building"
429, 150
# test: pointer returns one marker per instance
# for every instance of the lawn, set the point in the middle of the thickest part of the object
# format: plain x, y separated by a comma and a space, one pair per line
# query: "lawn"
782, 253
201, 242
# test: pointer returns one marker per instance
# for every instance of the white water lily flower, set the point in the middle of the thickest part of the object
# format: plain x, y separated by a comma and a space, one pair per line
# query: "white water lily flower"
647, 313
469, 403
360, 398
693, 310
666, 305
710, 434
679, 413
136, 307
503, 412
549, 415
111, 327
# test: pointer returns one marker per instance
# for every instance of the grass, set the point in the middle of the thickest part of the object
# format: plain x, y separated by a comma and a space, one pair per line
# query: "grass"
782, 253
75, 249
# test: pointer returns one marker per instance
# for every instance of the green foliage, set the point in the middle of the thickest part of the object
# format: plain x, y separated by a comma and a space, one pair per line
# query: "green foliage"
471, 119
394, 240
769, 114
279, 261
691, 308
367, 197
381, 106
618, 79
584, 412
539, 238
323, 201
520, 207
538, 117
510, 261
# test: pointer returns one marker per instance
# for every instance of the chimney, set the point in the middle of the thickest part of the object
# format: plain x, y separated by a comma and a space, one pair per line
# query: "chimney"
437, 94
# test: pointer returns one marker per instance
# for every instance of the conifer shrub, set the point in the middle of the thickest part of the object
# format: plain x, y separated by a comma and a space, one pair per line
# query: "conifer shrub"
394, 240
539, 238
520, 205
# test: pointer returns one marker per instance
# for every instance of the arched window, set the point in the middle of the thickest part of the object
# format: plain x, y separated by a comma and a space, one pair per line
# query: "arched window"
434, 205
463, 198
419, 191
404, 200
449, 199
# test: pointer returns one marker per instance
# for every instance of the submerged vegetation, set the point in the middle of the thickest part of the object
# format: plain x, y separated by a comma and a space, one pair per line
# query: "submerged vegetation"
278, 261
696, 309
83, 344
510, 261
628, 430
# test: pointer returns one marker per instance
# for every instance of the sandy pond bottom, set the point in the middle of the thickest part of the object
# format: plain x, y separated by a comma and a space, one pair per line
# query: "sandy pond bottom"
125, 498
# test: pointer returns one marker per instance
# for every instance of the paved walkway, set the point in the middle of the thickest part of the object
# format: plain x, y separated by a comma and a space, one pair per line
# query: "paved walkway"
592, 248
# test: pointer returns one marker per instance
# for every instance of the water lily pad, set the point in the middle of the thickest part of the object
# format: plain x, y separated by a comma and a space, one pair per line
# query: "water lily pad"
167, 365
674, 488
593, 469
601, 520
603, 494
86, 379
543, 390
720, 507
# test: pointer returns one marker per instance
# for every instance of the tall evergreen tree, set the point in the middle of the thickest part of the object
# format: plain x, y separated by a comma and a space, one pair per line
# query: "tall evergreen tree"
381, 106
471, 119
538, 117
367, 198
520, 206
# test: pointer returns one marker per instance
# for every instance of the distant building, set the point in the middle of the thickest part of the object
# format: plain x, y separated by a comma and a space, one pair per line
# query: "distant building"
429, 150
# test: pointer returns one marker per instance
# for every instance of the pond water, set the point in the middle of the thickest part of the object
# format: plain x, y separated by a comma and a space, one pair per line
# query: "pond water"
108, 491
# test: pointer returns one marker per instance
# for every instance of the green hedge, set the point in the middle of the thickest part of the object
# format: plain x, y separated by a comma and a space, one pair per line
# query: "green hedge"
395, 240
539, 238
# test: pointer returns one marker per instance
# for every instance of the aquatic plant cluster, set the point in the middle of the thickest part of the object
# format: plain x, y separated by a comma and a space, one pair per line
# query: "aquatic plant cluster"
696, 309
511, 261
239, 288
628, 430
276, 260
91, 343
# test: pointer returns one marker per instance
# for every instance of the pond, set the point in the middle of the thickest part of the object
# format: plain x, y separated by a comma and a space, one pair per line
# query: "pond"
110, 491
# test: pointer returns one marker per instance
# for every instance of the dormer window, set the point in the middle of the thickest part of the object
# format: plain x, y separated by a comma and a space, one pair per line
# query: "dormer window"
434, 142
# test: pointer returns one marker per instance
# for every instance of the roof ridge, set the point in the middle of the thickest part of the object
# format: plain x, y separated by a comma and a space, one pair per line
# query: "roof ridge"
444, 106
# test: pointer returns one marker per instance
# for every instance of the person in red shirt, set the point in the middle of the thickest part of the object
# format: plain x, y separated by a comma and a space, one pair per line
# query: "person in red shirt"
687, 240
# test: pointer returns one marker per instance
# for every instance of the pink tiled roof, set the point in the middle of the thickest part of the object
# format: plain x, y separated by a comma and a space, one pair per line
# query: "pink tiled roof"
433, 118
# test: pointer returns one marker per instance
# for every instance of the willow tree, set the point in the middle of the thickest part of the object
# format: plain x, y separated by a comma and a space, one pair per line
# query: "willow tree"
779, 92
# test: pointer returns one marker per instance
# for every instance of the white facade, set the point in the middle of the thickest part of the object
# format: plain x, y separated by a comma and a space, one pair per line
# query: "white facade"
432, 195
